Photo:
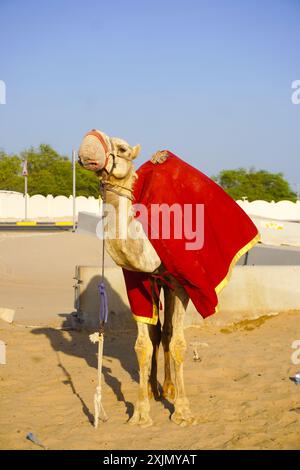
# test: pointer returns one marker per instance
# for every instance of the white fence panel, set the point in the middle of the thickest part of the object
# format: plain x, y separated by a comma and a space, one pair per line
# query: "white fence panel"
12, 207
282, 210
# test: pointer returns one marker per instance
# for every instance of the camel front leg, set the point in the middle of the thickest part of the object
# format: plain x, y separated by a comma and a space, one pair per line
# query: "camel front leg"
144, 350
182, 414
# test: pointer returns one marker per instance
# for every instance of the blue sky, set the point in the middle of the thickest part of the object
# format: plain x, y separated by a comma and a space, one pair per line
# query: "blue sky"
208, 79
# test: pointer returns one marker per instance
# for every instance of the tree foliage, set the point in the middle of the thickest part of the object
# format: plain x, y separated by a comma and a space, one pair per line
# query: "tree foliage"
51, 173
48, 173
255, 185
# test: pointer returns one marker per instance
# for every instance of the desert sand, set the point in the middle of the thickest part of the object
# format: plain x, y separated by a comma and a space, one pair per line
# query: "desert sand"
239, 390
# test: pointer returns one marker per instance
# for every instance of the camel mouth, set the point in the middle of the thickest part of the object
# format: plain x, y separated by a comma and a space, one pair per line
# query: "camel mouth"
94, 166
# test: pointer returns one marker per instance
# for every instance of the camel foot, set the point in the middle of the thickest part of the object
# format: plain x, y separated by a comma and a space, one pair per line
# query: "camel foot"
181, 420
168, 391
141, 417
182, 414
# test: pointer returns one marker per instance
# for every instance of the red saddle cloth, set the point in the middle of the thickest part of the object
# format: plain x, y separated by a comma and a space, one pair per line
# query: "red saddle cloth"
203, 272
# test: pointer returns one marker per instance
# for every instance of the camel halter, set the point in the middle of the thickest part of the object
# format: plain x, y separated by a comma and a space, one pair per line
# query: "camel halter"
105, 182
111, 187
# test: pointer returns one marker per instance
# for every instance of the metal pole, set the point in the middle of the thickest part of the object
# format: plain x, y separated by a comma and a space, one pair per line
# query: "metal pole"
25, 195
74, 187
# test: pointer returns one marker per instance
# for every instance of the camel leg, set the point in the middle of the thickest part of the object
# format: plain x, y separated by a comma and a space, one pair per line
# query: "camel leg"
155, 336
182, 414
144, 350
168, 386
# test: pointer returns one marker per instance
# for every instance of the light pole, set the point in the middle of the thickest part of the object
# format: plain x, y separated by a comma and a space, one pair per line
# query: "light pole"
25, 174
74, 187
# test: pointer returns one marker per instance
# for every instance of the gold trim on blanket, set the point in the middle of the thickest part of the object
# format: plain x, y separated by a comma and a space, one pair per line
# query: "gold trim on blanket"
150, 321
235, 259
223, 283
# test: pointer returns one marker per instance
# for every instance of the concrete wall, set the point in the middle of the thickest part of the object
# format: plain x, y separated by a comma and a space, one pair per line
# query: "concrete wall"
277, 232
252, 292
41, 207
12, 207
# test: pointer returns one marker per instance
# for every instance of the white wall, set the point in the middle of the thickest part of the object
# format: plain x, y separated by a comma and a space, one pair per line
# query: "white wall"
282, 210
39, 207
262, 290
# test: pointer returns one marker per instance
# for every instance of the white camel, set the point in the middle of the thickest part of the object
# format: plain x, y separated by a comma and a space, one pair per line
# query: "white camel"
112, 158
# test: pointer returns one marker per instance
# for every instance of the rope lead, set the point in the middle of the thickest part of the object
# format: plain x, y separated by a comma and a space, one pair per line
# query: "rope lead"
99, 336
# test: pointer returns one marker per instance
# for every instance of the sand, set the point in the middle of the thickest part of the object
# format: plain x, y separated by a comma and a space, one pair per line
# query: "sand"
240, 390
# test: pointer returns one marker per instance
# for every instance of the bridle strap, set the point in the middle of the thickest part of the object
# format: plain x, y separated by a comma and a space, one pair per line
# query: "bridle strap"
111, 187
124, 158
112, 190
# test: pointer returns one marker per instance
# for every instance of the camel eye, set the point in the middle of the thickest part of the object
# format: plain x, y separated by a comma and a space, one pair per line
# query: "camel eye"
122, 149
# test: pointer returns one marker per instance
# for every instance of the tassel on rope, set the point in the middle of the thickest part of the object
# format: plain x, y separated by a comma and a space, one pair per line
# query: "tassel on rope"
103, 303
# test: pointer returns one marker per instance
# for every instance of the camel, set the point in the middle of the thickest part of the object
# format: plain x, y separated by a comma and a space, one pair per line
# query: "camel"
112, 160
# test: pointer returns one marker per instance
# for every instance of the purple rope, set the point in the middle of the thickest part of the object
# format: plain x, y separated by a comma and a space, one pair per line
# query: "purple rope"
103, 303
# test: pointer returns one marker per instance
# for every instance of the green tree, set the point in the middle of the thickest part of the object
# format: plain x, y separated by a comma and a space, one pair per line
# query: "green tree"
255, 185
48, 173
51, 173
10, 172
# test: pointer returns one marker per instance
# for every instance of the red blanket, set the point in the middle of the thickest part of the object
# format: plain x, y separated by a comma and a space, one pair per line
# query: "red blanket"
203, 269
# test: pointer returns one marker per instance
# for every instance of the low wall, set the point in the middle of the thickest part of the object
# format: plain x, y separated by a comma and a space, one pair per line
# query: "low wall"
282, 210
252, 292
12, 207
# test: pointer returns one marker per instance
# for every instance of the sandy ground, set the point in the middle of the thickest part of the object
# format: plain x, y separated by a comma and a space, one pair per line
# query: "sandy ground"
240, 389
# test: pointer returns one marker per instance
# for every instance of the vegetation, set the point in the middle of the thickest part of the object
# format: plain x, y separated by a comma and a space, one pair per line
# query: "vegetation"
48, 173
51, 173
255, 185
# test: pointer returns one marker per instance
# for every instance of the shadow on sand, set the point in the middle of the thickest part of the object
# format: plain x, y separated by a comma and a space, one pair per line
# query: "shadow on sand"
120, 337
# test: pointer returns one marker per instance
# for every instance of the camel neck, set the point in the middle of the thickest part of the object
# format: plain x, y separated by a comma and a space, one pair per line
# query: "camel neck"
123, 187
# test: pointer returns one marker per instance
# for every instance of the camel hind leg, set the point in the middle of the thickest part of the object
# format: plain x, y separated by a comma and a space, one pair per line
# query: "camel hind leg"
144, 350
182, 414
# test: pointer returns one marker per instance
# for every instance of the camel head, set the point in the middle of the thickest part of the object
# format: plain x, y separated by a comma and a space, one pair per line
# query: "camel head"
100, 153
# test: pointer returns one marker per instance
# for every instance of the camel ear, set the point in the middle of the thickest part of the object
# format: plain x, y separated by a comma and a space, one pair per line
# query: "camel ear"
135, 151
